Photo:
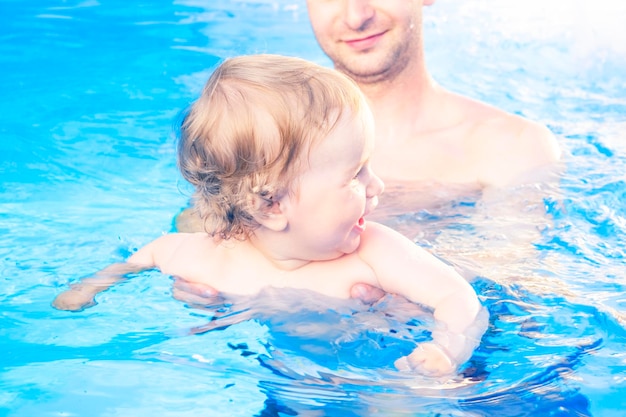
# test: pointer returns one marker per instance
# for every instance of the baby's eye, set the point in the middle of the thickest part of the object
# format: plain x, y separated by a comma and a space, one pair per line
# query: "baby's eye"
358, 174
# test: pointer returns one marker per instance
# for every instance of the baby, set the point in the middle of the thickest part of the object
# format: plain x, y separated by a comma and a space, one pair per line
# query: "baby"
278, 150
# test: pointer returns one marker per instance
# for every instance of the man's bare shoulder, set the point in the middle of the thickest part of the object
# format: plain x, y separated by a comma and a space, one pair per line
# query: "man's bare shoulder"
510, 146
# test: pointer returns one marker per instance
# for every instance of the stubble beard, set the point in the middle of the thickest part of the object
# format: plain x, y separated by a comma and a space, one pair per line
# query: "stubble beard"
371, 69
368, 69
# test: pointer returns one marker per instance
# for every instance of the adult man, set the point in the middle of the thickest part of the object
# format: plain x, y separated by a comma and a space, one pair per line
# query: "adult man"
424, 132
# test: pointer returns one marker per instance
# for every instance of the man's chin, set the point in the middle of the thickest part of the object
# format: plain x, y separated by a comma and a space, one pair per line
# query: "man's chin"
365, 71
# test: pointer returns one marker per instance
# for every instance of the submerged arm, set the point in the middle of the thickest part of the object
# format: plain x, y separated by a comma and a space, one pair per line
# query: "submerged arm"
81, 295
406, 269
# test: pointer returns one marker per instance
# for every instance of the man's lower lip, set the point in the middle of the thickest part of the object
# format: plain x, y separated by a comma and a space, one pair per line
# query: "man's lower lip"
365, 43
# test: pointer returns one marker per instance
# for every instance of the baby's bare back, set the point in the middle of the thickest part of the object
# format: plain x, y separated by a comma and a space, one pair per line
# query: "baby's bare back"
238, 267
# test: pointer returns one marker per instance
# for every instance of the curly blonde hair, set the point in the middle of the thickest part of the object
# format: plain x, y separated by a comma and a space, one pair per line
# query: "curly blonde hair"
243, 140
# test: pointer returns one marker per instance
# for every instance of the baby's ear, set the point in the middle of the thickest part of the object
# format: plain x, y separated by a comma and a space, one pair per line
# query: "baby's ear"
268, 212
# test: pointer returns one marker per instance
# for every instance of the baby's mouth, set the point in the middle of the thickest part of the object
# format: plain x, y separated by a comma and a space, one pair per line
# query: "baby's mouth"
361, 221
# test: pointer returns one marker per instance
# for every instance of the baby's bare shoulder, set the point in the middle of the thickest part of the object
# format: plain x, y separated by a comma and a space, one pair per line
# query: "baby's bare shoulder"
183, 254
170, 245
380, 243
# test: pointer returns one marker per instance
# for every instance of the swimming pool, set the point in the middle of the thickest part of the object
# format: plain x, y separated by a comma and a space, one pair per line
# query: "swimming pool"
90, 92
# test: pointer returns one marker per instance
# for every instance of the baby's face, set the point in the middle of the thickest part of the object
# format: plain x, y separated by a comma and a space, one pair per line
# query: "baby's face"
336, 190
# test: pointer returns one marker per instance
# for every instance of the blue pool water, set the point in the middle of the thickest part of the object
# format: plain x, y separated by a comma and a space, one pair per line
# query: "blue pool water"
89, 94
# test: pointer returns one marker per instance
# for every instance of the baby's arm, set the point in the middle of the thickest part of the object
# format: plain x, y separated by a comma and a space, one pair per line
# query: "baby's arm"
404, 268
81, 295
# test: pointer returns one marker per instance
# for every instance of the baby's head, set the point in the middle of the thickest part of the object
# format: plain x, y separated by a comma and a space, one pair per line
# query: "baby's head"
246, 138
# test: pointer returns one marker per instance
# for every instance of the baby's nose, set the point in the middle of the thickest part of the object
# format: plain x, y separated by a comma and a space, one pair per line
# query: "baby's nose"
375, 187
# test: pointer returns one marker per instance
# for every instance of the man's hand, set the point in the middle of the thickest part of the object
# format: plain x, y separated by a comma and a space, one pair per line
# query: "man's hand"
366, 293
193, 292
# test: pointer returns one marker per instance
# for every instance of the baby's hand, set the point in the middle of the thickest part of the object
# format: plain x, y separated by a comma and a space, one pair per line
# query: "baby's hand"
428, 359
76, 298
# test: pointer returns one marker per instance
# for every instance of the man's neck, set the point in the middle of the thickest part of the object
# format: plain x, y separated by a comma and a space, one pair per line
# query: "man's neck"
405, 93
409, 103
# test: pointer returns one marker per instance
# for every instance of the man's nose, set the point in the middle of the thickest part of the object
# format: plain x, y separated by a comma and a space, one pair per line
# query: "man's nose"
358, 13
